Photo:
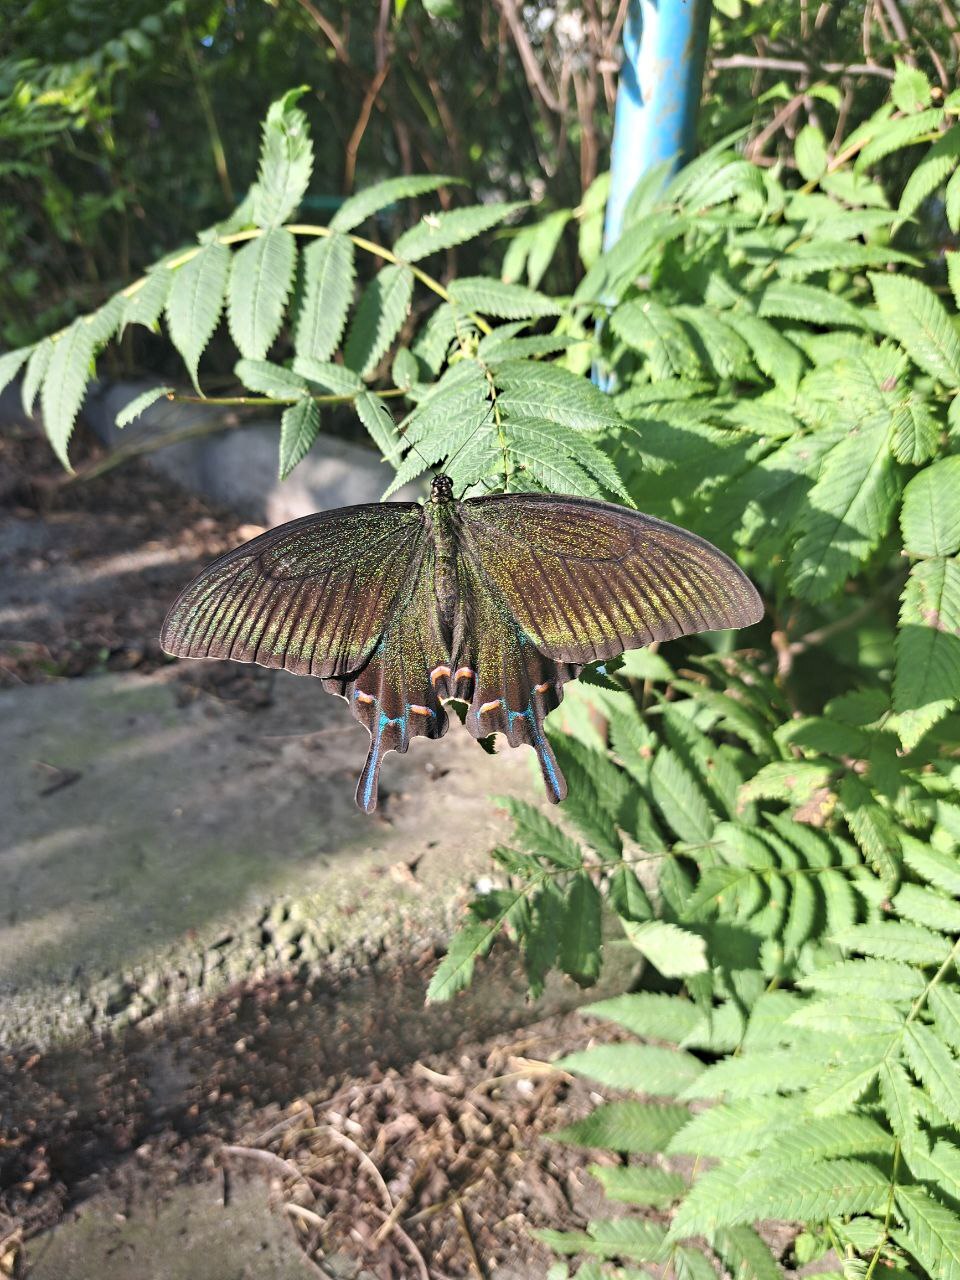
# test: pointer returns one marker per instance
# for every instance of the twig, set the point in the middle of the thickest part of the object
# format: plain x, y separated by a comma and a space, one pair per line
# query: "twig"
360, 128
528, 58
471, 1247
746, 61
756, 145
900, 30
412, 1249
342, 1140
329, 30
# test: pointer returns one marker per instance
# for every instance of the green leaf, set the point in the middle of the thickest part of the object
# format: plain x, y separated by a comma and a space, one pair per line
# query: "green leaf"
897, 134
455, 970
299, 427
792, 300
930, 516
629, 1238
270, 379
898, 1098
65, 384
634, 1127
328, 281
884, 979
10, 363
775, 355
639, 1184
944, 1004
437, 231
34, 374
745, 1254
936, 1068
675, 952
561, 459
195, 302
932, 171
135, 407
650, 328
382, 194
543, 244
733, 1128
531, 389
911, 88
927, 677
662, 1017
928, 907
329, 377
383, 308
508, 301
145, 306
260, 281
893, 940
916, 317
286, 161
543, 838
916, 432
645, 1068
873, 828
581, 937
792, 780
679, 798
940, 1166
932, 1233
847, 513
380, 425
810, 153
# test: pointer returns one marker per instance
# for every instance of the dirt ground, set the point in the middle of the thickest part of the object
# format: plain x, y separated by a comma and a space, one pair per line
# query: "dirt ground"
391, 1163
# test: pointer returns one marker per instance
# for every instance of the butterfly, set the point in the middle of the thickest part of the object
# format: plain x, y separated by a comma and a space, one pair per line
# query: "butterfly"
495, 601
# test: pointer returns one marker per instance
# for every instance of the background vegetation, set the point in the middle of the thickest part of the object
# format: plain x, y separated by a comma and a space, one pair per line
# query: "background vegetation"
771, 821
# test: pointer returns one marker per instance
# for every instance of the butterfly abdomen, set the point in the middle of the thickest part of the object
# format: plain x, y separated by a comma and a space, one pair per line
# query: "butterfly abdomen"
442, 520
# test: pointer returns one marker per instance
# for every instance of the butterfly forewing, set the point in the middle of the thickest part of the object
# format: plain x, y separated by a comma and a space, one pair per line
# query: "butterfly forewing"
587, 580
312, 597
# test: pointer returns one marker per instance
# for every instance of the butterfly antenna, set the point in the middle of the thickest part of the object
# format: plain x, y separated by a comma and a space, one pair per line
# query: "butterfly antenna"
448, 462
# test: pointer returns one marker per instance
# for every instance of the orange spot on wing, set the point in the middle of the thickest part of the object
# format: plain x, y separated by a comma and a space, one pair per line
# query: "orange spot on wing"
420, 711
489, 706
542, 688
365, 697
462, 672
436, 673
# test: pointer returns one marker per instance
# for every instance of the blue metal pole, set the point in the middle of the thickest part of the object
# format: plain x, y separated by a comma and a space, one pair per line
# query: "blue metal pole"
664, 46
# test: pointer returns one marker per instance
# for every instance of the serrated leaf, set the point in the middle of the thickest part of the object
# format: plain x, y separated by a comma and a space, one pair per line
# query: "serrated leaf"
775, 355
195, 301
531, 389
898, 1098
644, 1068
270, 379
928, 907
944, 1004
581, 937
260, 280
379, 318
365, 203
543, 244
932, 1233
675, 952
65, 384
873, 828
848, 511
639, 1184
139, 404
679, 798
927, 676
10, 364
917, 318
564, 460
632, 1127
146, 305
299, 427
932, 171
884, 979
746, 1255
810, 153
893, 940
34, 374
792, 300
380, 425
650, 328
916, 432
328, 376
896, 134
286, 161
930, 515
941, 1166
911, 88
543, 838
663, 1017
792, 780
438, 231
455, 970
507, 301
936, 1068
328, 282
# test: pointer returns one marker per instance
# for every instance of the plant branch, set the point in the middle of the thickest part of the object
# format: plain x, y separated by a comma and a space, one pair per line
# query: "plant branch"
745, 61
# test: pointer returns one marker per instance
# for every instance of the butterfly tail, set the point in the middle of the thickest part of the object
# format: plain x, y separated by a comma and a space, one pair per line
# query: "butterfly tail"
553, 778
369, 781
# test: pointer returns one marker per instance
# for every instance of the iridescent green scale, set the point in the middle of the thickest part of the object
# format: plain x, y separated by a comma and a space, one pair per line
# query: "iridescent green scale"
496, 601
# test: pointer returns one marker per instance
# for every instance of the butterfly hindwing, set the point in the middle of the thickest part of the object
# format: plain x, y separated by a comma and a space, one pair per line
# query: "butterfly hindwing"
510, 684
312, 596
587, 580
396, 696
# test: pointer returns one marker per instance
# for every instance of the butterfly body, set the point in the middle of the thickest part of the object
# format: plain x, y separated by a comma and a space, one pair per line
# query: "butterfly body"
496, 602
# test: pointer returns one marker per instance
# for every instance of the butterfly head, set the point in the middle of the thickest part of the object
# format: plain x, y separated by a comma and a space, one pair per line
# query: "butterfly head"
442, 489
